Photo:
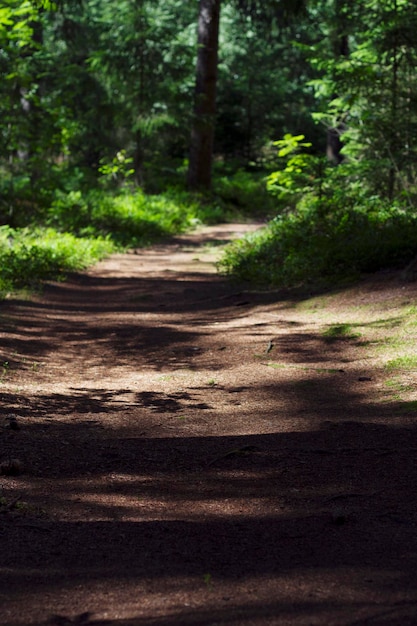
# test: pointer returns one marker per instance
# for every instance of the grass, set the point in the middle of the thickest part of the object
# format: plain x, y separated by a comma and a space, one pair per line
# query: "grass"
243, 194
80, 228
30, 256
4, 370
320, 244
340, 331
409, 406
407, 362
397, 385
129, 218
208, 580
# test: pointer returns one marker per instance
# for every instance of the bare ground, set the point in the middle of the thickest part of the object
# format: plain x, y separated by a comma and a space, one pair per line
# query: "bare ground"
188, 452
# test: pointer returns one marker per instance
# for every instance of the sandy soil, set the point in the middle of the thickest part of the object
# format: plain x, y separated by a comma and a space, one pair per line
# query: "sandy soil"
179, 450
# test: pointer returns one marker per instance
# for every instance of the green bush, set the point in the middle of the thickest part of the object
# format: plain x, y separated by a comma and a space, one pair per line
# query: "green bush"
320, 244
130, 218
331, 226
81, 227
244, 194
28, 257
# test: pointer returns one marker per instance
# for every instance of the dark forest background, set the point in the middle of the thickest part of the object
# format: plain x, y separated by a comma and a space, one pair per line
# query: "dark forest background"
123, 123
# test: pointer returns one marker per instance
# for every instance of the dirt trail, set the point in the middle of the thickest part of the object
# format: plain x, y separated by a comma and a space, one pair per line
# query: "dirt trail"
195, 453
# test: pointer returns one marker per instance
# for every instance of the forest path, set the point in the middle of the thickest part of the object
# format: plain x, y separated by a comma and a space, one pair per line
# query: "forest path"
194, 453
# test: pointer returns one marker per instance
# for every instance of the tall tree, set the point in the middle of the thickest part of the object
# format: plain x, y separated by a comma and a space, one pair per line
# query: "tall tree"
376, 88
202, 134
339, 37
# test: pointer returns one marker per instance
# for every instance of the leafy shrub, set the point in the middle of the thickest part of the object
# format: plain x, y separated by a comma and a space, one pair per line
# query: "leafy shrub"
244, 194
320, 244
129, 218
81, 227
331, 227
298, 171
30, 257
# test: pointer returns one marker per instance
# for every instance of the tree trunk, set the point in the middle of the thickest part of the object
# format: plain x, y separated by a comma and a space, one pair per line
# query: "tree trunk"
340, 45
334, 145
35, 112
140, 27
393, 139
202, 134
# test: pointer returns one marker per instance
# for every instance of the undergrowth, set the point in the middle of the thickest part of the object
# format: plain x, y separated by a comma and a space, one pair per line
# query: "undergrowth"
244, 194
325, 226
329, 226
130, 218
75, 228
29, 256
312, 246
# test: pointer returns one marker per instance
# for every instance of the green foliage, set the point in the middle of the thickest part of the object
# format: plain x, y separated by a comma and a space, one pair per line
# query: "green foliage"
302, 172
75, 144
129, 218
16, 22
117, 171
320, 243
291, 144
82, 227
244, 194
366, 86
340, 331
28, 257
404, 362
262, 74
143, 58
330, 226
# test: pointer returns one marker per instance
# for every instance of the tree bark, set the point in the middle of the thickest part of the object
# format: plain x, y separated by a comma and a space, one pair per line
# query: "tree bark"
341, 50
202, 133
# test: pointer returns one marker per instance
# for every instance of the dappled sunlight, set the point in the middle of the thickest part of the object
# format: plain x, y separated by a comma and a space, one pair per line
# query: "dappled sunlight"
208, 313
190, 434
289, 595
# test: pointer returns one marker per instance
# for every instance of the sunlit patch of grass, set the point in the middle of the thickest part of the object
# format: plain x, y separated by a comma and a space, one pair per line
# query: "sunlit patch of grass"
396, 384
30, 256
412, 321
392, 343
407, 362
341, 331
390, 322
400, 393
131, 218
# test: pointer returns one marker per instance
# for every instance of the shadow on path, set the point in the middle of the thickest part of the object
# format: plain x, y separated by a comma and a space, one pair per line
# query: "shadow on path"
143, 506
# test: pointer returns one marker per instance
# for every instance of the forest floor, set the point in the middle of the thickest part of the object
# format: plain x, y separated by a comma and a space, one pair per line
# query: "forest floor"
185, 451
